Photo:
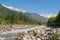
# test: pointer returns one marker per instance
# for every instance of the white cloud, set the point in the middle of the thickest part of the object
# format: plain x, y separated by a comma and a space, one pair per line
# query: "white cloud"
16, 9
48, 15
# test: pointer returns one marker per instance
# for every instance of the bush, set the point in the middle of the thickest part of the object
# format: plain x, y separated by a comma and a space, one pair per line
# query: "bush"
54, 37
39, 23
35, 33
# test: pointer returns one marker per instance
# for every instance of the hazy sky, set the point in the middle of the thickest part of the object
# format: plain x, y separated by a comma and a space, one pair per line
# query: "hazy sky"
36, 6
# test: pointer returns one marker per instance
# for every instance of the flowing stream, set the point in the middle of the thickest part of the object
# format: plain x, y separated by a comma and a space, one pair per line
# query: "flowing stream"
9, 35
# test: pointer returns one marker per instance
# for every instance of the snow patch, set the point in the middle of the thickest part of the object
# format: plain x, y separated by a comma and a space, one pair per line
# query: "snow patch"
48, 15
12, 8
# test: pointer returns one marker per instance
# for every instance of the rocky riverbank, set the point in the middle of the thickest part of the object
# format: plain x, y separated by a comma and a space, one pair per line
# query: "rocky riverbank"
28, 33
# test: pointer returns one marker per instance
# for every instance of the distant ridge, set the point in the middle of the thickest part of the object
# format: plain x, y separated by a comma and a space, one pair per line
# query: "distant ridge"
34, 16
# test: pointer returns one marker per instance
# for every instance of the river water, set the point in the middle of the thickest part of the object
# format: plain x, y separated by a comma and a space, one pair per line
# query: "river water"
10, 35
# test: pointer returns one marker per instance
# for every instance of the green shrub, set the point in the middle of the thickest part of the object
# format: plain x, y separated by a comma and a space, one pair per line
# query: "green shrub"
35, 33
54, 37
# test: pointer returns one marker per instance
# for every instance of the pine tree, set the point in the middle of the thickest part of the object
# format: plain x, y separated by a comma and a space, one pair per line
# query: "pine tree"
58, 18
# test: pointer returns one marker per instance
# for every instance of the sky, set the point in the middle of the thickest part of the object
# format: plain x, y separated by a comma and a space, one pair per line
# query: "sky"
35, 6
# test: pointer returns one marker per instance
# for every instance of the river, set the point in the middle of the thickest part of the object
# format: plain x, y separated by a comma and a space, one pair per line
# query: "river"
9, 35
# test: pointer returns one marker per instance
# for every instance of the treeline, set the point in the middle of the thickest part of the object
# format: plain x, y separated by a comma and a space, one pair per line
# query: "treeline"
8, 16
16, 18
54, 21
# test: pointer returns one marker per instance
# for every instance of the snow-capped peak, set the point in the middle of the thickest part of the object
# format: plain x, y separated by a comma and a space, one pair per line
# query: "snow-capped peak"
48, 15
12, 8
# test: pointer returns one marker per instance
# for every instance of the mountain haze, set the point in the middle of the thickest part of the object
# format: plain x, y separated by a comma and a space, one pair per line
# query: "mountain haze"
16, 13
36, 17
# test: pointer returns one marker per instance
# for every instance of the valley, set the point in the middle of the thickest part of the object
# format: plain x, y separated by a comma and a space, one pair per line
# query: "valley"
17, 24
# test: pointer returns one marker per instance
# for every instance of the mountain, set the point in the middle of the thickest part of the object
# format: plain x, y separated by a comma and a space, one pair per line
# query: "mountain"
15, 13
36, 17
15, 9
